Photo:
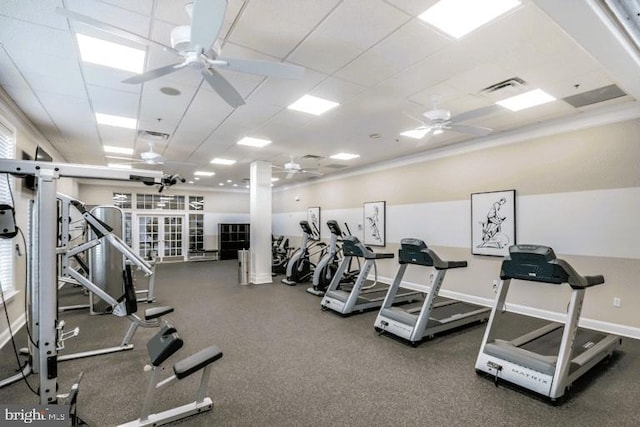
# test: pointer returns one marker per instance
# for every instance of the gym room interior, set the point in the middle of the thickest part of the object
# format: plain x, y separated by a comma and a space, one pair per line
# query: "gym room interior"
207, 208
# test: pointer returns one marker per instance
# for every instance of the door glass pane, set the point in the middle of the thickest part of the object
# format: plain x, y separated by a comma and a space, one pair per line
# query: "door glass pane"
172, 236
148, 236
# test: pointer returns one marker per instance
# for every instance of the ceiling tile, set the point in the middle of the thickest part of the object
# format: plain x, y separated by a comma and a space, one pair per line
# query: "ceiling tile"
410, 44
276, 27
109, 101
346, 33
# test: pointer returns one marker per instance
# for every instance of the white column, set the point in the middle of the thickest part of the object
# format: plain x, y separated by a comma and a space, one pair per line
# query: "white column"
260, 207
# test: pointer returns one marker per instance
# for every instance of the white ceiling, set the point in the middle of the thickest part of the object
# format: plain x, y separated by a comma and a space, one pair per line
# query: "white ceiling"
374, 57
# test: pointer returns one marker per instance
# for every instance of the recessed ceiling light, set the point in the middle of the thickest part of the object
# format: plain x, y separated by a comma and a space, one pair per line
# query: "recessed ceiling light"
229, 181
526, 100
345, 156
190, 182
415, 133
219, 161
118, 121
312, 105
460, 17
275, 179
119, 166
221, 184
235, 185
254, 142
197, 178
203, 173
102, 52
117, 150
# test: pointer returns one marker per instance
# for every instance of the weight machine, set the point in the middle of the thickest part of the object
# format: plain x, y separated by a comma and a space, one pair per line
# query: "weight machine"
45, 326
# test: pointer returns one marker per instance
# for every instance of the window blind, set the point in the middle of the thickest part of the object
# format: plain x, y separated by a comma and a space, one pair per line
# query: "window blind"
7, 151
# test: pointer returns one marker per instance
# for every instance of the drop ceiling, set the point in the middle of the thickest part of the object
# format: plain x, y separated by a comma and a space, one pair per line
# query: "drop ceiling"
374, 57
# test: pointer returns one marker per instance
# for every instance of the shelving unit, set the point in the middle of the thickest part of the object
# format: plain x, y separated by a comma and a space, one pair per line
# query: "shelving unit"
232, 238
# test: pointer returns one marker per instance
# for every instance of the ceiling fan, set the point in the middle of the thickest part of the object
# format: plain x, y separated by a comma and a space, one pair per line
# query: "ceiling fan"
292, 168
198, 45
438, 120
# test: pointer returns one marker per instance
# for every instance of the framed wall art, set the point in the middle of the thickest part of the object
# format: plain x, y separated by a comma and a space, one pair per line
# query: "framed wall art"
493, 222
374, 223
313, 217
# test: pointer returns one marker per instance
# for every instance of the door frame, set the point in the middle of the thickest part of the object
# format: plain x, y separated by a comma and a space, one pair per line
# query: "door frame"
135, 231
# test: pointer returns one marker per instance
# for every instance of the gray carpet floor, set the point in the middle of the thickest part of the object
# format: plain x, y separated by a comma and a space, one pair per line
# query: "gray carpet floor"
288, 363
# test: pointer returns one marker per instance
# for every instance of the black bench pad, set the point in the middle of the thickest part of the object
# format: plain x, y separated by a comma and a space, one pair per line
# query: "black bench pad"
155, 312
196, 361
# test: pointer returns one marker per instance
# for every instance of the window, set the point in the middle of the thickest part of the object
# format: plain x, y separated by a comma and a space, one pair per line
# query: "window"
7, 151
196, 233
159, 202
122, 200
196, 203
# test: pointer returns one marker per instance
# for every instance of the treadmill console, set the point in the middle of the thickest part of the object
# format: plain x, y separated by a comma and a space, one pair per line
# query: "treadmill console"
414, 251
334, 228
533, 263
351, 246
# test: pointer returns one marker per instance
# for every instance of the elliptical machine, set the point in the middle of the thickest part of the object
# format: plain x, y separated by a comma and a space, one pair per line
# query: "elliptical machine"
280, 253
300, 268
328, 264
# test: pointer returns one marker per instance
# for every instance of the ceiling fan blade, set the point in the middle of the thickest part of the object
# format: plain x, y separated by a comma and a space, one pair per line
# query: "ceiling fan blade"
261, 68
472, 130
111, 29
208, 16
479, 112
154, 74
223, 87
423, 141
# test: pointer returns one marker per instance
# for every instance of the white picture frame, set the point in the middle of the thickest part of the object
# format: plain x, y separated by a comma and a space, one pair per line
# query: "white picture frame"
313, 218
374, 223
493, 222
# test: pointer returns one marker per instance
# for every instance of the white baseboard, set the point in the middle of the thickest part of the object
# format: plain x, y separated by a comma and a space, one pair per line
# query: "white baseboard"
596, 325
259, 279
15, 327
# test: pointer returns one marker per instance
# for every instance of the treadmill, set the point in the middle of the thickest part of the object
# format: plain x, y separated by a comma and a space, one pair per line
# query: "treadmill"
415, 324
360, 297
547, 360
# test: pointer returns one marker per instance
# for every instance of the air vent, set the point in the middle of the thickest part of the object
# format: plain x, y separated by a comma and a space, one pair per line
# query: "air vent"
512, 83
594, 96
311, 157
335, 166
156, 136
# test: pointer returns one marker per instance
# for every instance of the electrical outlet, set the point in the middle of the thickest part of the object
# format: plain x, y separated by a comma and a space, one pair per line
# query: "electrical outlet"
617, 302
495, 286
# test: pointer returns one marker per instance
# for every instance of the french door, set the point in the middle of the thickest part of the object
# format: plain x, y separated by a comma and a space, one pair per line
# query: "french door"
161, 237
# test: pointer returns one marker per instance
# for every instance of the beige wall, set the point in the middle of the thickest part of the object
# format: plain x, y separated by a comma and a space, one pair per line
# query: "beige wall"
599, 158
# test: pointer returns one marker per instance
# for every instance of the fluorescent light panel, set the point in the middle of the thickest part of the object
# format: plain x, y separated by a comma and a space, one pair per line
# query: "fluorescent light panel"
415, 133
111, 149
345, 156
219, 161
313, 105
460, 17
102, 52
118, 121
204, 173
254, 142
526, 100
